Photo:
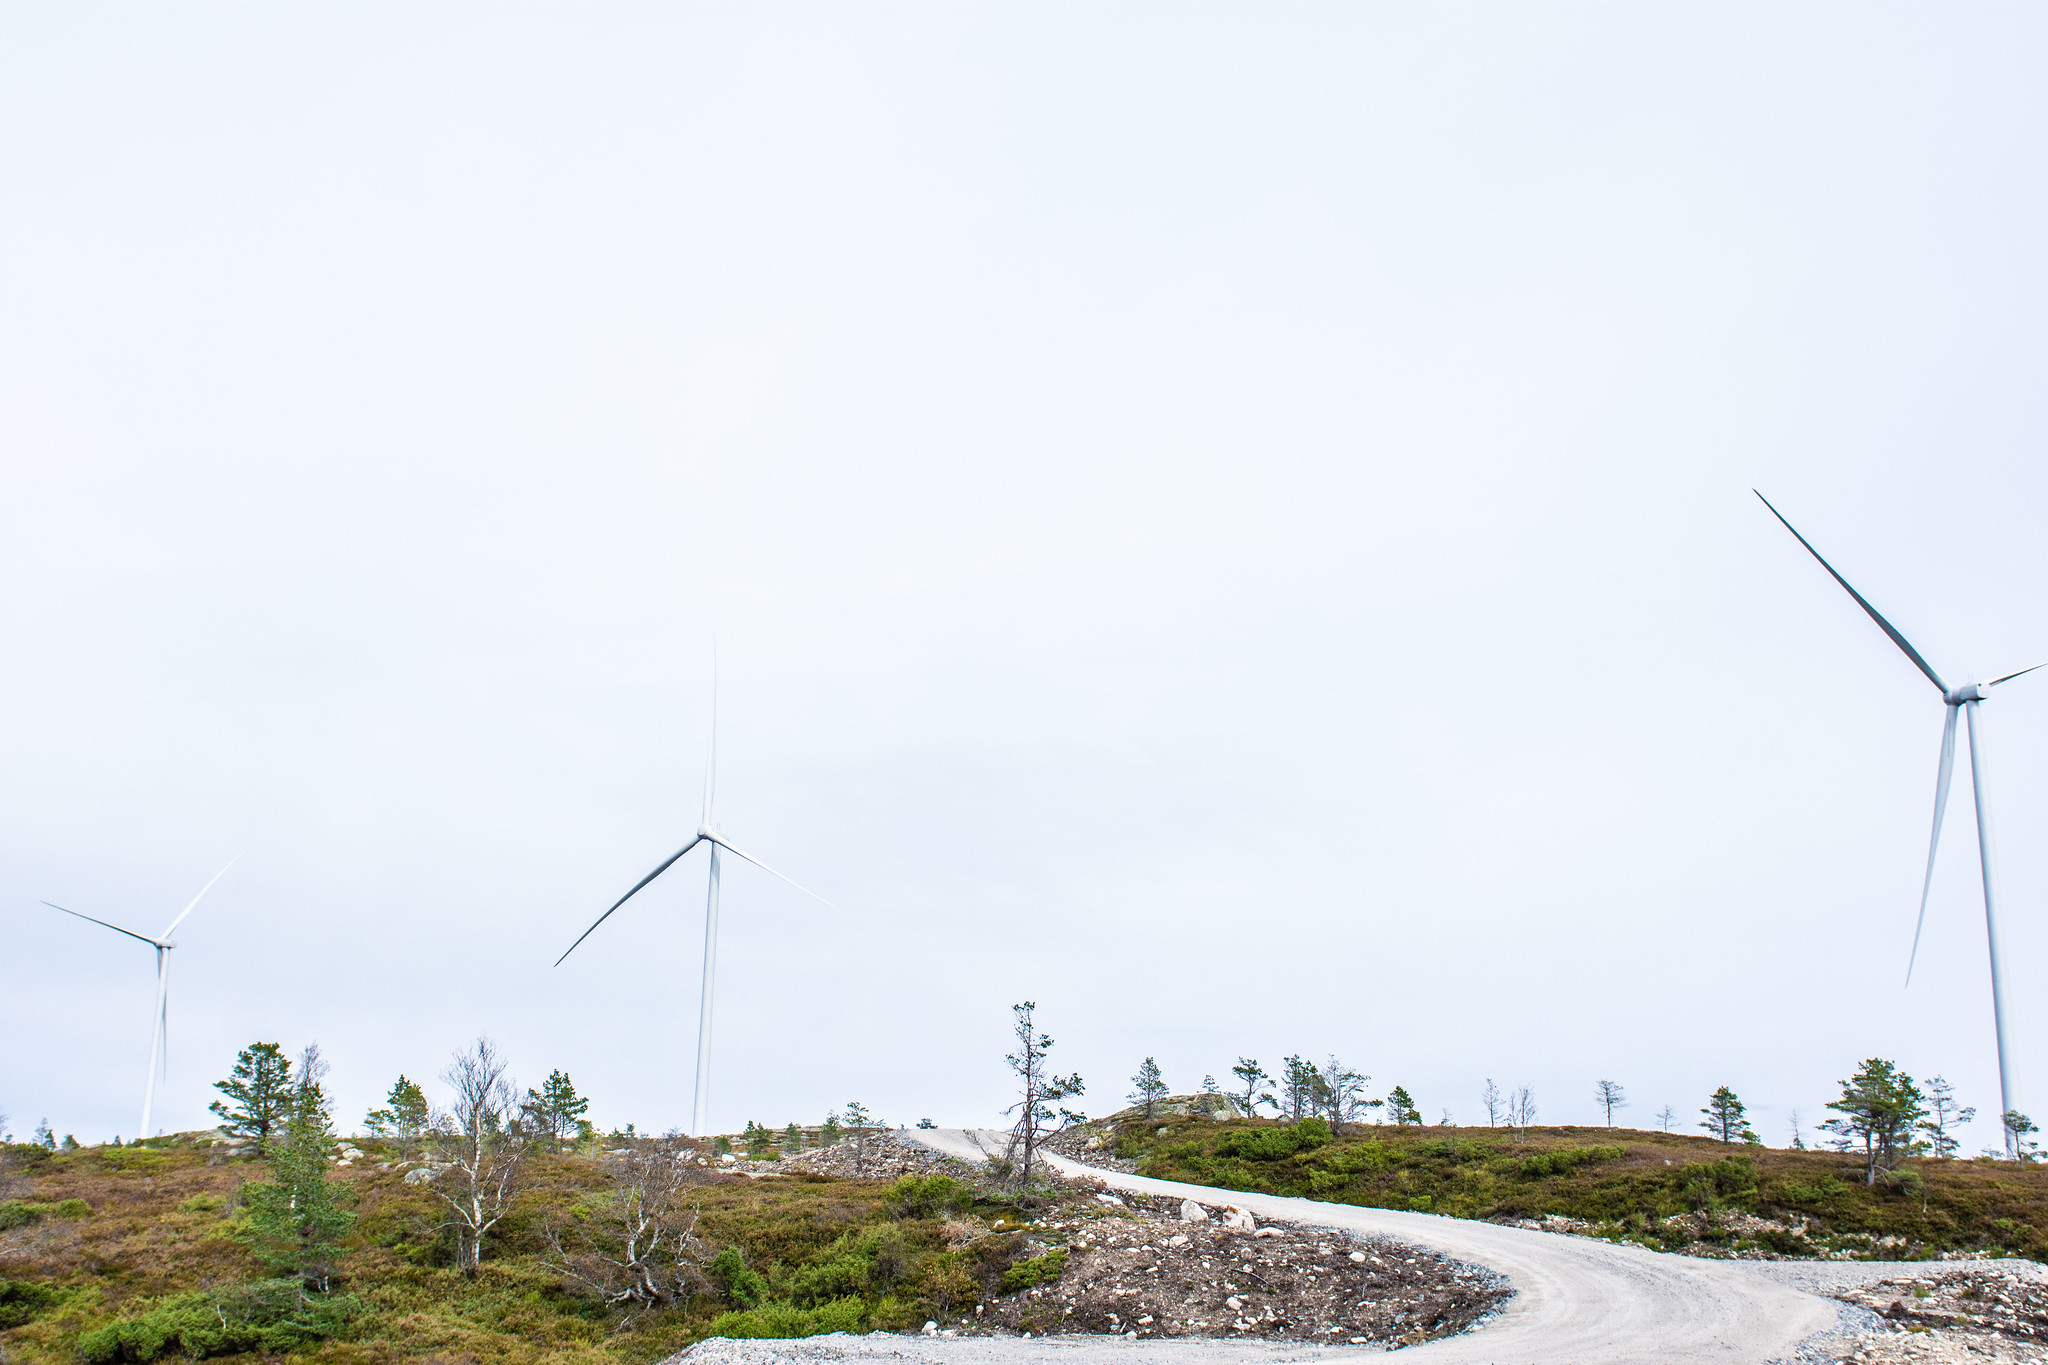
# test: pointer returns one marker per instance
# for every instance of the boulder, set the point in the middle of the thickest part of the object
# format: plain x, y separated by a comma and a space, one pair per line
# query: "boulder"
1191, 1212
419, 1176
1238, 1220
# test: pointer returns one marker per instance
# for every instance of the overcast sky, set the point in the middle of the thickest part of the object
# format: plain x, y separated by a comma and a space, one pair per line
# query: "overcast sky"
1231, 522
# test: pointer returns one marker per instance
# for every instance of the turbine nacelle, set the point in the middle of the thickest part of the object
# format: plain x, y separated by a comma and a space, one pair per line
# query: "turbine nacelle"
1956, 696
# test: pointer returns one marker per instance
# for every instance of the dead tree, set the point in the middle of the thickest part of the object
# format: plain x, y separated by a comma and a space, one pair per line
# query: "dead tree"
1342, 1093
481, 1148
1041, 1091
1610, 1097
639, 1249
1495, 1105
1522, 1110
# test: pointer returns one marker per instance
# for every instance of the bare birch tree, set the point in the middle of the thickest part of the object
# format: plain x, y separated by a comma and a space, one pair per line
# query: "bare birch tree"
1494, 1104
481, 1149
640, 1247
1522, 1109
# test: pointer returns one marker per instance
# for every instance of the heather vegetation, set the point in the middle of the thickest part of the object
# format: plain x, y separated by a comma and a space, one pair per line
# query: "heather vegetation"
169, 1249
1625, 1182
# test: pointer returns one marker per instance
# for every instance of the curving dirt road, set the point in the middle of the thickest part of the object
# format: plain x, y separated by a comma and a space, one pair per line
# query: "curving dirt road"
1576, 1301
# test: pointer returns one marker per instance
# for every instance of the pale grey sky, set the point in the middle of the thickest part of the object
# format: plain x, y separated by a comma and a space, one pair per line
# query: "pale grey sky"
1230, 521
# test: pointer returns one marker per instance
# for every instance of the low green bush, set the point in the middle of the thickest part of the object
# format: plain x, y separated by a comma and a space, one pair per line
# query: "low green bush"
20, 1301
743, 1286
68, 1209
787, 1320
1273, 1144
269, 1316
1568, 1159
927, 1196
1042, 1269
15, 1214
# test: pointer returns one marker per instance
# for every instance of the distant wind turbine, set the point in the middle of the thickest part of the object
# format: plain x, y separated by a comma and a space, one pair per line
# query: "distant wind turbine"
1964, 699
159, 1043
705, 834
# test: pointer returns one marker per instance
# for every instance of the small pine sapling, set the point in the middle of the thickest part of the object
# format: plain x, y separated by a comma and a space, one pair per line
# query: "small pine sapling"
1148, 1089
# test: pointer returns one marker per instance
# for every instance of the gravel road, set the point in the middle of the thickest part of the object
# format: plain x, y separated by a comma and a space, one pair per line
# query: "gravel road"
1576, 1301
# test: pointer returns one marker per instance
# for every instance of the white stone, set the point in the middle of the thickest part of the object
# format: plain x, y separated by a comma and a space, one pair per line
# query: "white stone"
1240, 1219
1269, 1232
1358, 1256
419, 1176
1191, 1212
1234, 1304
1179, 1239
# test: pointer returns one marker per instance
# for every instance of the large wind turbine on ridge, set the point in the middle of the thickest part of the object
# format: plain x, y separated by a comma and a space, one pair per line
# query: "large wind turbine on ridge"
706, 834
1964, 699
159, 1043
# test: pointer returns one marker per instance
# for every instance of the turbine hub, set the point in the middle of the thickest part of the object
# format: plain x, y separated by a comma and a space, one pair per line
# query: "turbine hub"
1968, 692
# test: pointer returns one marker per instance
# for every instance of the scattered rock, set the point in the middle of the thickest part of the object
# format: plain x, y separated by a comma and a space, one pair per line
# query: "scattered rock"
1191, 1212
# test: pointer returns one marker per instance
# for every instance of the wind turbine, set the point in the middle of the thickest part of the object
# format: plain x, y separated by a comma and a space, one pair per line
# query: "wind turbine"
706, 834
1964, 699
159, 1049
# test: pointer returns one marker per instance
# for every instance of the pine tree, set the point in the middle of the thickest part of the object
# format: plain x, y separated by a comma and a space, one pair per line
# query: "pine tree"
1724, 1116
1150, 1089
555, 1109
296, 1222
1880, 1108
828, 1131
405, 1114
44, 1137
1251, 1075
792, 1140
260, 1087
1401, 1107
1299, 1084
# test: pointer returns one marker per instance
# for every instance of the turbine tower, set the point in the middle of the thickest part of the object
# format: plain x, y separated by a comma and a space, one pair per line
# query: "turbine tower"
159, 1044
1964, 699
706, 834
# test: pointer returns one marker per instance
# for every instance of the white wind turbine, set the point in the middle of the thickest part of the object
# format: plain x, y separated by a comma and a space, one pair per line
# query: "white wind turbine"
705, 834
1964, 699
159, 1044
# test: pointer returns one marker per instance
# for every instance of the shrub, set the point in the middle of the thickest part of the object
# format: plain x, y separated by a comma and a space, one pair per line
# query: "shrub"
15, 1214
69, 1209
928, 1196
20, 1301
269, 1316
1710, 1185
1037, 1270
1272, 1144
743, 1286
787, 1320
1568, 1159
947, 1285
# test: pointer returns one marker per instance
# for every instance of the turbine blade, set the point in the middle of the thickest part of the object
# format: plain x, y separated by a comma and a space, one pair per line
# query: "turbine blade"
666, 864
1883, 624
104, 925
1948, 765
719, 839
2010, 676
202, 891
